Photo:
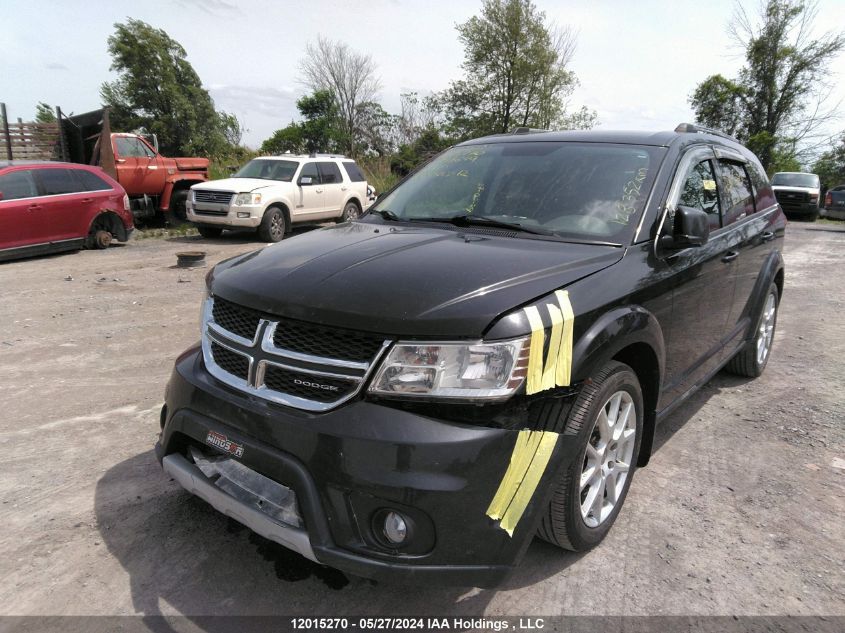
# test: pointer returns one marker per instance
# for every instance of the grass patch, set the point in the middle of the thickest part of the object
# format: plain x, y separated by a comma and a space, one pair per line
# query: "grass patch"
182, 230
377, 171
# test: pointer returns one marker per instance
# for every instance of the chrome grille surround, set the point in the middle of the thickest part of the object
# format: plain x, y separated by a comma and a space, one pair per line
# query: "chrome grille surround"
213, 197
262, 353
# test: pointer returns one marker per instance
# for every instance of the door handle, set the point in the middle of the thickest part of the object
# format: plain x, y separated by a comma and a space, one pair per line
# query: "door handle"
319, 190
730, 256
87, 199
34, 207
120, 160
768, 236
344, 188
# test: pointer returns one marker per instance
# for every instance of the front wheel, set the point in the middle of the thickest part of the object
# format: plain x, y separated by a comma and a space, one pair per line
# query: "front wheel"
607, 418
272, 228
178, 205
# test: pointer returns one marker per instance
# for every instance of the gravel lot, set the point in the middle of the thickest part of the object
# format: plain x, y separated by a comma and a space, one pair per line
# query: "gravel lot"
739, 512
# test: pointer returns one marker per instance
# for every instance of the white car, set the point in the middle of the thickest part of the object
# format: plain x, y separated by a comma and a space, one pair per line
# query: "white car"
271, 193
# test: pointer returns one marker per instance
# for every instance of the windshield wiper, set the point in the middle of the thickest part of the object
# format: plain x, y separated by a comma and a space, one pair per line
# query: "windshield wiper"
470, 220
387, 214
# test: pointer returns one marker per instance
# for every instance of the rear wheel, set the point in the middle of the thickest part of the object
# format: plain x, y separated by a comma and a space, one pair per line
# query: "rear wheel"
752, 358
99, 235
350, 212
272, 228
210, 231
607, 417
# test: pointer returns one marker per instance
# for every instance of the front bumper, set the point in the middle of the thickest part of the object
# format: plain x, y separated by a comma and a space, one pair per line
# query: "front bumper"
348, 464
223, 215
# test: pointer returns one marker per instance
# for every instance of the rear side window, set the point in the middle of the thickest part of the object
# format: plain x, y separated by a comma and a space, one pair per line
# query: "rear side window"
310, 170
736, 185
17, 184
763, 193
354, 172
330, 173
700, 191
91, 182
57, 181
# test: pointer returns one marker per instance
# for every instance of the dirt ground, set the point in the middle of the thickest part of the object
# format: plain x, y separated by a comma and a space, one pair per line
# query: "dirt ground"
741, 510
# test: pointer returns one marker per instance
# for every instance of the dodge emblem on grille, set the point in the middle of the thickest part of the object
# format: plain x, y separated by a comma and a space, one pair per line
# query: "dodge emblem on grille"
315, 385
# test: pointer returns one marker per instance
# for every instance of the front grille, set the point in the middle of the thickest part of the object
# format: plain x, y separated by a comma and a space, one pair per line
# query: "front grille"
230, 362
236, 319
298, 364
792, 200
317, 340
214, 197
309, 387
218, 214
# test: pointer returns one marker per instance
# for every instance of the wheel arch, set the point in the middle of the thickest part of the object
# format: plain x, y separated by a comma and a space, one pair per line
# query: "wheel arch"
284, 207
631, 335
110, 221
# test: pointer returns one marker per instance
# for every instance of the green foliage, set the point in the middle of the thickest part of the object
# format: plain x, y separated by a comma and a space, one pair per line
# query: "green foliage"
516, 75
409, 156
319, 132
225, 164
775, 101
44, 113
158, 90
378, 173
830, 166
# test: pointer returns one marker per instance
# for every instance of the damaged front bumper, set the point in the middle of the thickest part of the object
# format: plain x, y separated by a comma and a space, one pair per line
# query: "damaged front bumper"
344, 470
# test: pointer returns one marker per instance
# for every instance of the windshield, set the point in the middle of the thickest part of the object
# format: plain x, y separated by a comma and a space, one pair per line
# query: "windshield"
796, 180
592, 191
268, 169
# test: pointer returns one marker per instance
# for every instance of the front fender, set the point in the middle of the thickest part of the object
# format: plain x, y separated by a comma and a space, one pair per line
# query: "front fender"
612, 332
170, 185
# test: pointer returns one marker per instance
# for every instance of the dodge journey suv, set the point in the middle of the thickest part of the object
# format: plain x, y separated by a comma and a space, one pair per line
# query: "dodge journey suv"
271, 193
481, 358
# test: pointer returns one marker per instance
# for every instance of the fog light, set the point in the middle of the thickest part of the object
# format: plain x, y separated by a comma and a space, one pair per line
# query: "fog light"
395, 528
243, 214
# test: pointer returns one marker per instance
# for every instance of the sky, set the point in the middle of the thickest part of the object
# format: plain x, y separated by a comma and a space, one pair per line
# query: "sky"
637, 61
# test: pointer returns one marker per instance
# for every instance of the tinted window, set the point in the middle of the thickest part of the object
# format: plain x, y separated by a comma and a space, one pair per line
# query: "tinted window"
568, 188
354, 173
91, 182
310, 169
700, 191
330, 173
17, 184
763, 193
131, 147
57, 181
736, 186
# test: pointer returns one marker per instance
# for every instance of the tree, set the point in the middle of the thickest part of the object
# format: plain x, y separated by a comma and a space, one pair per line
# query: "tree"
158, 90
319, 132
515, 71
830, 166
350, 77
44, 113
777, 100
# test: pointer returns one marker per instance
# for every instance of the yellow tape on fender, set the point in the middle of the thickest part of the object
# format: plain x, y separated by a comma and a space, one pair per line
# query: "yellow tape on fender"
534, 379
563, 374
529, 459
557, 369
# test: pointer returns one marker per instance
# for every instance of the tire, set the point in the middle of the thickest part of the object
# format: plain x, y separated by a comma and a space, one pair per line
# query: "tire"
813, 216
210, 231
613, 390
350, 212
751, 360
177, 205
273, 225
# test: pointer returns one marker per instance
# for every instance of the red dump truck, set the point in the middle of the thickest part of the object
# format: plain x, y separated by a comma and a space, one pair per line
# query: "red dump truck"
157, 186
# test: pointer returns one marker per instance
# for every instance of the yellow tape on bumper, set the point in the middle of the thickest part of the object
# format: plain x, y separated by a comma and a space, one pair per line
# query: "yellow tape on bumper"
534, 379
529, 459
563, 374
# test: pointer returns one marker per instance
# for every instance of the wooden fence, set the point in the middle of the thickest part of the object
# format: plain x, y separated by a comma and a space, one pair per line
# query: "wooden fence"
31, 141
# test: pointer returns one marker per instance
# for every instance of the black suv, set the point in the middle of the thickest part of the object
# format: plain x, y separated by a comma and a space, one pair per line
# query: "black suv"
481, 358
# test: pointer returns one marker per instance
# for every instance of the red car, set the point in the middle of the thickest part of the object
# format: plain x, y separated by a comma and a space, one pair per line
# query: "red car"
47, 207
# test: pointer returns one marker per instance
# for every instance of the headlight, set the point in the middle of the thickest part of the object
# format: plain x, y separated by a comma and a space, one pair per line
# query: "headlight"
247, 198
489, 371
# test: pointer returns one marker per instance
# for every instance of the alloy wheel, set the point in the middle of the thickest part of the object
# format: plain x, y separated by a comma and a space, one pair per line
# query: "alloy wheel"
607, 461
766, 331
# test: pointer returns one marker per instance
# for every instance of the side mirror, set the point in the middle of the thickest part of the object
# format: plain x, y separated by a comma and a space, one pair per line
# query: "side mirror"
692, 228
304, 181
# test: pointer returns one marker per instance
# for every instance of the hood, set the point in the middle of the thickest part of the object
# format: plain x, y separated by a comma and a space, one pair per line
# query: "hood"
191, 164
239, 185
404, 281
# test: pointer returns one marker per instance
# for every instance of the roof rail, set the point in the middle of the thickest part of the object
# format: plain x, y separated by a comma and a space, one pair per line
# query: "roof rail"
316, 155
527, 130
700, 129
